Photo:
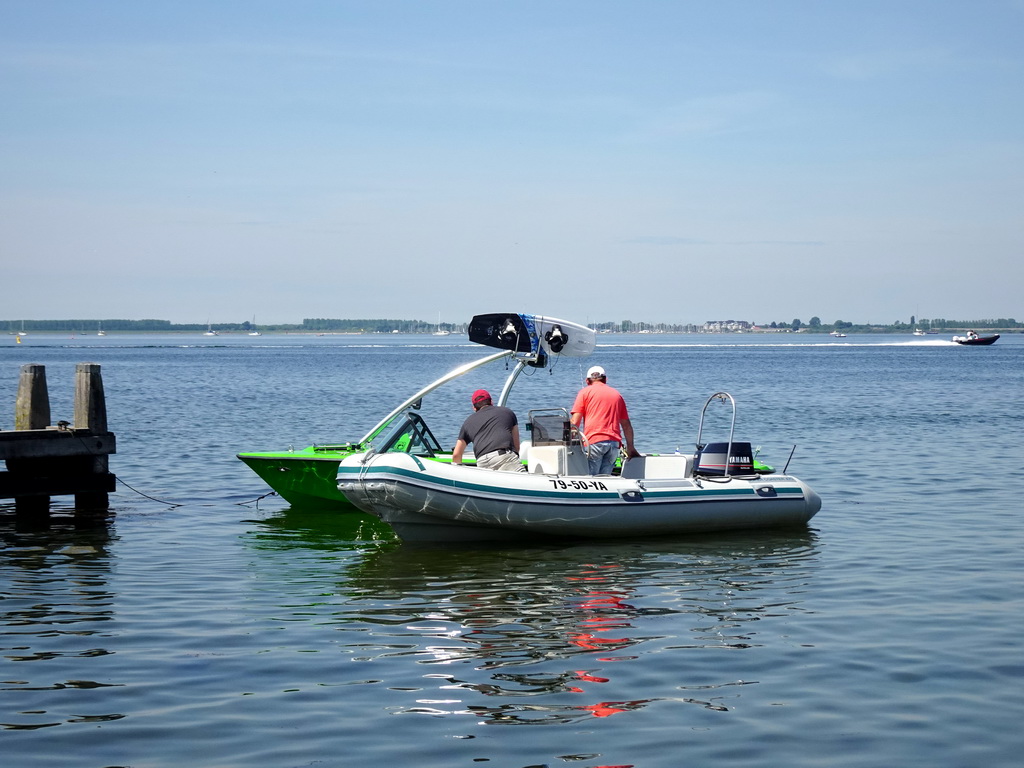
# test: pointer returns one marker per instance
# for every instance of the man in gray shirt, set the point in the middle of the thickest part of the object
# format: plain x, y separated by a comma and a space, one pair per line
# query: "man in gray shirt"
494, 432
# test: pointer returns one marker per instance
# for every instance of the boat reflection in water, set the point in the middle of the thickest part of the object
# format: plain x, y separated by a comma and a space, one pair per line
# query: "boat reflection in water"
545, 625
543, 635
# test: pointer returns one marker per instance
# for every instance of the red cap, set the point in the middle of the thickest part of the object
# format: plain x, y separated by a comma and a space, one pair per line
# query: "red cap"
481, 395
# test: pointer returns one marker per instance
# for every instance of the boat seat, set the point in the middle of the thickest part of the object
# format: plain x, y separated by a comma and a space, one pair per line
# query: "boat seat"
524, 450
557, 460
657, 467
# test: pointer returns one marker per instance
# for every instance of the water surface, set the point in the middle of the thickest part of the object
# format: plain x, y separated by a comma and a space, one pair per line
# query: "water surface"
198, 626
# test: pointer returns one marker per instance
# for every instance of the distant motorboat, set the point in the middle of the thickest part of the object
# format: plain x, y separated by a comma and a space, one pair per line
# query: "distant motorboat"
975, 340
918, 332
838, 335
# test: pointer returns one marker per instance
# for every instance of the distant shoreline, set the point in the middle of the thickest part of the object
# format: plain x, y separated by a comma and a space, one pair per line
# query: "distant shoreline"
381, 326
824, 331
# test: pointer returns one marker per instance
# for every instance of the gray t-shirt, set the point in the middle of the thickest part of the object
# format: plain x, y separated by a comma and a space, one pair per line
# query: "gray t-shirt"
489, 429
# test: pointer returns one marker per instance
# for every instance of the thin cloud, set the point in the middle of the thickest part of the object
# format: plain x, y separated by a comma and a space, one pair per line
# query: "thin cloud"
871, 65
712, 115
662, 240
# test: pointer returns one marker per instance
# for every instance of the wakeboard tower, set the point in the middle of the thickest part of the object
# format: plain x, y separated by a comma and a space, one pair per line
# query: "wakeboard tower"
308, 478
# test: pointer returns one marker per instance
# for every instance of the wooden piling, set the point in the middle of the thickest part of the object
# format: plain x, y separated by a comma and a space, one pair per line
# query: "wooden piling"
91, 416
32, 408
90, 403
44, 461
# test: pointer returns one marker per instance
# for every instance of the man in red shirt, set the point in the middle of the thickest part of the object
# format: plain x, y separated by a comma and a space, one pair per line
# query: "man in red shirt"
605, 421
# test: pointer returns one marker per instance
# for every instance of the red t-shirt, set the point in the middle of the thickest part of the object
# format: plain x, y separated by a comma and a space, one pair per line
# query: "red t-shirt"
602, 408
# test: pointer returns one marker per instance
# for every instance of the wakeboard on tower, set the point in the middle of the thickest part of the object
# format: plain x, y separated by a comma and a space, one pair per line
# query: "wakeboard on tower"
532, 334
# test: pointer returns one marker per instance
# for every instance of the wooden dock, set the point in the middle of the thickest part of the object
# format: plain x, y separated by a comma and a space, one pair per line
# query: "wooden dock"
45, 460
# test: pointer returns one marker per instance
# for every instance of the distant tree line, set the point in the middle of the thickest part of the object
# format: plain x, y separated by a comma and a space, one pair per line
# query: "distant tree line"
814, 325
93, 326
317, 325
336, 325
935, 324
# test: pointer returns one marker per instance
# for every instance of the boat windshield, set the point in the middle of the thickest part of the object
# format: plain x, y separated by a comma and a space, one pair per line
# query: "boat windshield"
408, 435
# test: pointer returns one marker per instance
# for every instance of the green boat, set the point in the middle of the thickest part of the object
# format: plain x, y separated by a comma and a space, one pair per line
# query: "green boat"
308, 478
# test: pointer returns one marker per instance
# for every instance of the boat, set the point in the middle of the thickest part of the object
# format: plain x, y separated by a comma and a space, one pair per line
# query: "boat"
440, 331
406, 481
307, 478
209, 330
918, 332
403, 476
255, 330
838, 334
100, 331
975, 340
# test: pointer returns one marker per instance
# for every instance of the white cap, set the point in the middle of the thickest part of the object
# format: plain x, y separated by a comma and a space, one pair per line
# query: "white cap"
595, 371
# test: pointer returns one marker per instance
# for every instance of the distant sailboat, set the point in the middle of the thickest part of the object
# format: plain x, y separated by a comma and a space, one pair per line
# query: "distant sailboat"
22, 331
101, 332
254, 331
209, 330
440, 332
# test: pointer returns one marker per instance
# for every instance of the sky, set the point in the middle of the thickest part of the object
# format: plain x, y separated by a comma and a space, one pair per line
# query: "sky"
672, 161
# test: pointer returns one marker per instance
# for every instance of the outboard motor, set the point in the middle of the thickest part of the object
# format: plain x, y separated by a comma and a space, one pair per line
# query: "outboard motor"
712, 460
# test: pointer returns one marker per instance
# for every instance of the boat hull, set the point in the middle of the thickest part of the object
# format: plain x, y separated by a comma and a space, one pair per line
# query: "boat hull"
425, 500
306, 479
980, 341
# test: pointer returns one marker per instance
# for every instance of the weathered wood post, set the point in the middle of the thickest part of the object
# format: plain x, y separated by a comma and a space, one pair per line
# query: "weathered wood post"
32, 408
91, 415
90, 403
31, 411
